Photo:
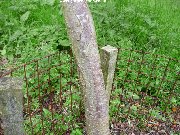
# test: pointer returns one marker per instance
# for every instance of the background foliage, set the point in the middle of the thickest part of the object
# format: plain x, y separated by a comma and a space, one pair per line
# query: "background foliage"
31, 29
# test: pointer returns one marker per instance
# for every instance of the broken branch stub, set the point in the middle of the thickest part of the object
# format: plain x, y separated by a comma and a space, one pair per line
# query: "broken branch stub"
108, 63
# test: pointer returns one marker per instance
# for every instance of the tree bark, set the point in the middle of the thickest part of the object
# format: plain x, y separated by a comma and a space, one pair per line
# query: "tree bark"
82, 35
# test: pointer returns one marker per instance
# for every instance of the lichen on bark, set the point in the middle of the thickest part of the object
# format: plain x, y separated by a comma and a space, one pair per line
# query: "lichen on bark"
82, 35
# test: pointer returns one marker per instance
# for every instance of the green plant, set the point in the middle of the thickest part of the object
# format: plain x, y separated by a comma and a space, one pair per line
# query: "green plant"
31, 29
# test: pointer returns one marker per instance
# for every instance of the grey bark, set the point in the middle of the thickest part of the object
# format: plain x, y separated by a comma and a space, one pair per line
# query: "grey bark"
83, 38
11, 106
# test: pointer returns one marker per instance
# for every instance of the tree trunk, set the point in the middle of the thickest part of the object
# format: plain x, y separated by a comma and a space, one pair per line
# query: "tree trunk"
83, 38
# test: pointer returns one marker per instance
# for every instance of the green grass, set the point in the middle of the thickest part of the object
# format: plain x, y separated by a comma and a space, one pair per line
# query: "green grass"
139, 24
149, 25
31, 29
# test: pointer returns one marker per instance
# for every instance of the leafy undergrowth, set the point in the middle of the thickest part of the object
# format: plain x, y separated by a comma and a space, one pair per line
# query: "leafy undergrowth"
33, 29
144, 98
148, 25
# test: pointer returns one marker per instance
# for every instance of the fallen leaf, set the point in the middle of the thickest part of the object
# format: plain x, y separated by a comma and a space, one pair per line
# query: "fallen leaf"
174, 109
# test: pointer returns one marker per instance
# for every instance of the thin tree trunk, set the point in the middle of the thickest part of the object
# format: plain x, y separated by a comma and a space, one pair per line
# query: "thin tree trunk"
83, 38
